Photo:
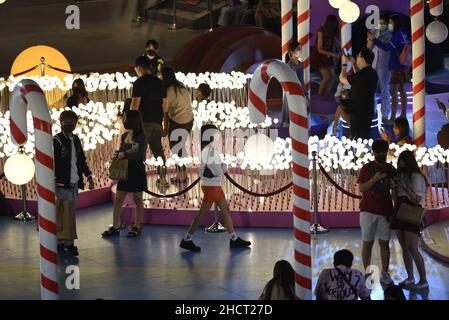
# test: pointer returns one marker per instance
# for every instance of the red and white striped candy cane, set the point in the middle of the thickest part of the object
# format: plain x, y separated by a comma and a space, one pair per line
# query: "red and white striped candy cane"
436, 7
303, 38
28, 94
286, 25
346, 37
418, 48
299, 135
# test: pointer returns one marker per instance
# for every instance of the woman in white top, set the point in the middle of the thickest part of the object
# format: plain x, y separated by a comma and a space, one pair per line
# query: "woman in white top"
211, 171
180, 118
409, 187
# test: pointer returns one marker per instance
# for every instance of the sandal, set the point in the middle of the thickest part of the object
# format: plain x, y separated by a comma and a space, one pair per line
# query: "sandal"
134, 232
165, 184
111, 232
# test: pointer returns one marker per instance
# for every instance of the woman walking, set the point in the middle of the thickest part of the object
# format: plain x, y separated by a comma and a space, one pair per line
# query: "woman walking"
133, 147
180, 118
409, 188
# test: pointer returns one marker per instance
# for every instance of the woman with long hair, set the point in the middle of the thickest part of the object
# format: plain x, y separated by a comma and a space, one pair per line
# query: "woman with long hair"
401, 130
282, 285
79, 94
399, 73
133, 148
180, 118
323, 53
410, 188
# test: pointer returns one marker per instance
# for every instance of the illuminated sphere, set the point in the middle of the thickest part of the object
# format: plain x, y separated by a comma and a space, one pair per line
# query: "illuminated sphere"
2, 1
259, 148
19, 169
337, 3
349, 12
436, 32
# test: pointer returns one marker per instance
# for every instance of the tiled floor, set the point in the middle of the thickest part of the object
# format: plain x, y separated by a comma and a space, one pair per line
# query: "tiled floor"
153, 267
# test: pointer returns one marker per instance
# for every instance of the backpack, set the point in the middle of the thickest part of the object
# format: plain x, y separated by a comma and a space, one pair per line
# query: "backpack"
405, 57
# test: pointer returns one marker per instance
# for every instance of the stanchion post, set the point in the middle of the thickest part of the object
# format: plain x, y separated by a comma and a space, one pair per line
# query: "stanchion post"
174, 26
42, 67
315, 228
216, 226
211, 17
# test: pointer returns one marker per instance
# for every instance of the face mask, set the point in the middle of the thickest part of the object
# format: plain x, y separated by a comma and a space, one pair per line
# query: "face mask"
383, 27
390, 27
151, 52
302, 57
127, 125
68, 128
381, 158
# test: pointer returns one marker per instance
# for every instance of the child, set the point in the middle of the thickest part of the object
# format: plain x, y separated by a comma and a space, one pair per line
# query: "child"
203, 92
211, 171
70, 166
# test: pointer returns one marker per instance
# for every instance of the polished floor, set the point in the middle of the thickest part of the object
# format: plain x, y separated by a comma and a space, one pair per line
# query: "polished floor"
153, 267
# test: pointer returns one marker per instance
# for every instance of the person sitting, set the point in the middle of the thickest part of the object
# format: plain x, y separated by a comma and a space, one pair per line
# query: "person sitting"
342, 282
282, 285
267, 10
203, 92
79, 94
401, 131
229, 13
394, 292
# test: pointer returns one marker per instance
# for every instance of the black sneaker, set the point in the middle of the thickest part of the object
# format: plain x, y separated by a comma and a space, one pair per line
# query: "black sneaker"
189, 245
239, 243
72, 250
60, 247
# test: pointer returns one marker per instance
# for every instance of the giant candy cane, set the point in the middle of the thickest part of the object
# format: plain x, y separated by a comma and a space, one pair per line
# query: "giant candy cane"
303, 39
286, 25
299, 135
418, 44
28, 94
436, 7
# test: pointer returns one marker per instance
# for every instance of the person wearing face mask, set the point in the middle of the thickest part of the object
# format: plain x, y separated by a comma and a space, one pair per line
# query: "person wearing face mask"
211, 172
294, 60
133, 148
410, 188
79, 94
363, 84
380, 64
376, 206
70, 168
149, 96
399, 73
151, 52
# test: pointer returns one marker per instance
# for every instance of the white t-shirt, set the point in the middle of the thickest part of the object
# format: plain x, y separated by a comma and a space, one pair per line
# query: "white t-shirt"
211, 156
74, 178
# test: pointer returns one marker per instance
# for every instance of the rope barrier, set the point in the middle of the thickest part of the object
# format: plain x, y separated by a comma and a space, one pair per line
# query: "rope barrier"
60, 70
26, 71
265, 195
335, 184
157, 195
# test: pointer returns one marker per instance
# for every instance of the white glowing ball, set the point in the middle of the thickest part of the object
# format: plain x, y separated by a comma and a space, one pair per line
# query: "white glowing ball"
337, 3
19, 169
349, 12
259, 148
436, 32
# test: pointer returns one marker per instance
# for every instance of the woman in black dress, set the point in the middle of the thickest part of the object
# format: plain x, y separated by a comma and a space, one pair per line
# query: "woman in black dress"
133, 147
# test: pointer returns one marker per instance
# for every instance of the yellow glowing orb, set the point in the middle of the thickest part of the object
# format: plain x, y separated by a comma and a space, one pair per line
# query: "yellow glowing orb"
32, 57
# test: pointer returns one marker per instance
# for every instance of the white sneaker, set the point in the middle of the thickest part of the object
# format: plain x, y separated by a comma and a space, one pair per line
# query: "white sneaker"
419, 287
407, 283
386, 279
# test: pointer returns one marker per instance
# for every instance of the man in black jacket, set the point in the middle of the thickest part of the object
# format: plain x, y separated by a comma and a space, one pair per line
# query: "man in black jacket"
70, 166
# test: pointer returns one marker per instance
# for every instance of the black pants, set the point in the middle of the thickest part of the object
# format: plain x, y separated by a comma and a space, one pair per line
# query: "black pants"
153, 134
141, 6
179, 137
360, 128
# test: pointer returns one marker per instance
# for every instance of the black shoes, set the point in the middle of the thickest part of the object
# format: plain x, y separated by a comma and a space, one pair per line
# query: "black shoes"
189, 245
239, 243
72, 250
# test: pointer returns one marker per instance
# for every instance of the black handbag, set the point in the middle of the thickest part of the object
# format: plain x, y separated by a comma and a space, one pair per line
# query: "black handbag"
207, 171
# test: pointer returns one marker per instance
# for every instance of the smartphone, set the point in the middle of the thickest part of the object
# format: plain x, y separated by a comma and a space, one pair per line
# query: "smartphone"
345, 52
